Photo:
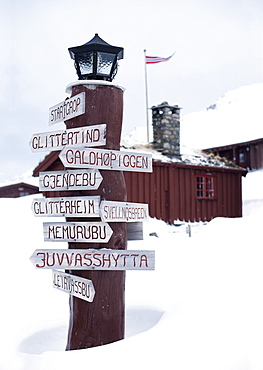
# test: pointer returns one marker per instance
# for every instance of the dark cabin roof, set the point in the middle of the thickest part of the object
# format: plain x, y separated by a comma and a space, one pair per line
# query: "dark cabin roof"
18, 190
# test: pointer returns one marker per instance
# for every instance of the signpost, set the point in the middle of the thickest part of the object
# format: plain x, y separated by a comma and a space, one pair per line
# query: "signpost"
68, 206
88, 179
74, 285
100, 320
106, 159
93, 259
68, 109
75, 137
123, 212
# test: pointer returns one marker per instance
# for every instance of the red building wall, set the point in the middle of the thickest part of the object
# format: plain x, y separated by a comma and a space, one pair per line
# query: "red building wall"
170, 192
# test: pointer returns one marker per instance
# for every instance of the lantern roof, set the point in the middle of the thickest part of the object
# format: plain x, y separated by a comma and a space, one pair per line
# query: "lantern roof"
96, 44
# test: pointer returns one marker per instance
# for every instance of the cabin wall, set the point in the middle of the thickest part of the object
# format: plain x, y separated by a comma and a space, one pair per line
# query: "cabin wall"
170, 191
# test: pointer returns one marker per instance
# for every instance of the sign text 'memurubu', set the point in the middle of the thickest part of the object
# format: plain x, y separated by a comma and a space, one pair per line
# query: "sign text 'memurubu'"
106, 159
93, 259
74, 285
69, 206
89, 232
123, 212
68, 109
88, 179
76, 137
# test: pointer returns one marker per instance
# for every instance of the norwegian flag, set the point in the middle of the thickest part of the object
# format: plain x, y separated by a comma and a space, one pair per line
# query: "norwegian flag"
153, 60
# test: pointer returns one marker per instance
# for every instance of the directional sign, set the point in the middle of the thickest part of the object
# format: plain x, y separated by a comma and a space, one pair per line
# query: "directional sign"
68, 109
106, 159
123, 212
69, 206
89, 232
74, 285
75, 137
93, 259
88, 179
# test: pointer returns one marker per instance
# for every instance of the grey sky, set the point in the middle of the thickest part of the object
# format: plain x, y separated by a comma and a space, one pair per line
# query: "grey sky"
218, 44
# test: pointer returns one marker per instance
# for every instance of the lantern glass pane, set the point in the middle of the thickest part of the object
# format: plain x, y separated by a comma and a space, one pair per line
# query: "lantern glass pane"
105, 61
86, 63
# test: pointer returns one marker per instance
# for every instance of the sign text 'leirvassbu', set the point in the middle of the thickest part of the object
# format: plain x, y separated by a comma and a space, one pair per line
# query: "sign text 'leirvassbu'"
74, 285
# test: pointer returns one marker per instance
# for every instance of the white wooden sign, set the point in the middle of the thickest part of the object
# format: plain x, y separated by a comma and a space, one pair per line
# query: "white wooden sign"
68, 109
89, 232
123, 212
75, 137
74, 285
93, 259
68, 206
106, 159
88, 179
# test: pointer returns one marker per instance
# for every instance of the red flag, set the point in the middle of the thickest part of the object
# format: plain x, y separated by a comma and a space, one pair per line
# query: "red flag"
152, 60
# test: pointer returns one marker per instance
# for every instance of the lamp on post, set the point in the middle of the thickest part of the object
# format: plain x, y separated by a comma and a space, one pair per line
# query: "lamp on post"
96, 60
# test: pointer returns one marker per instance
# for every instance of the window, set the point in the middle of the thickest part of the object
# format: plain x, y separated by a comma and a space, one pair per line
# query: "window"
205, 187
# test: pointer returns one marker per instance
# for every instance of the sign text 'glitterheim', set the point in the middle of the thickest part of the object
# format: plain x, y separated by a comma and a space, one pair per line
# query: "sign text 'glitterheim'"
68, 206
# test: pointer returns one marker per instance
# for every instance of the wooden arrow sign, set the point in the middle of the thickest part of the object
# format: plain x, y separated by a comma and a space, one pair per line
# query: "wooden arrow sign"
93, 259
74, 137
106, 159
74, 285
68, 109
68, 206
88, 232
123, 212
88, 179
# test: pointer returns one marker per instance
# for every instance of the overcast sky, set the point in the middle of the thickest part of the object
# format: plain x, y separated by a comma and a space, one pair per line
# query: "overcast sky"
218, 46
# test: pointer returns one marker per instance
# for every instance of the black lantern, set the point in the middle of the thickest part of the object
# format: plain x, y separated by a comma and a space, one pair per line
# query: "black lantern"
96, 60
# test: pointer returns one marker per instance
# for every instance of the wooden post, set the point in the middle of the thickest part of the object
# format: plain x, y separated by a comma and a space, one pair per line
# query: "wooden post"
102, 321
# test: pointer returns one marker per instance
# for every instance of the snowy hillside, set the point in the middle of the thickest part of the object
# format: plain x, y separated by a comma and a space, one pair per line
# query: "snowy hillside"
235, 117
200, 309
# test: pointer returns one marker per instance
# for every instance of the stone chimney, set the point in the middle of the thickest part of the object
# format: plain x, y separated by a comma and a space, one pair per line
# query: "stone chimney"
166, 129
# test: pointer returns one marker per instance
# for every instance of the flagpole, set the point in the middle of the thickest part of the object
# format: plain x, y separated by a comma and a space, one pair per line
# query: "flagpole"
146, 94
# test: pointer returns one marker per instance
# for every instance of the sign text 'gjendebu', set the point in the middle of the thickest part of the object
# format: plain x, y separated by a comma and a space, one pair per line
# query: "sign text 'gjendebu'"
87, 179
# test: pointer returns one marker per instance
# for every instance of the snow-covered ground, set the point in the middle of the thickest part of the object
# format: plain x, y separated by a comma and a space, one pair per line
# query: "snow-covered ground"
200, 309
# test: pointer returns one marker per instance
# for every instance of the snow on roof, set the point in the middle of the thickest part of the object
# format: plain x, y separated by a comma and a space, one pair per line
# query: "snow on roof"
135, 140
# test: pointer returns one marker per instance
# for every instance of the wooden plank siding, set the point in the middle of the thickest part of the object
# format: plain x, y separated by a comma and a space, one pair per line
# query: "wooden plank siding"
170, 191
252, 150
